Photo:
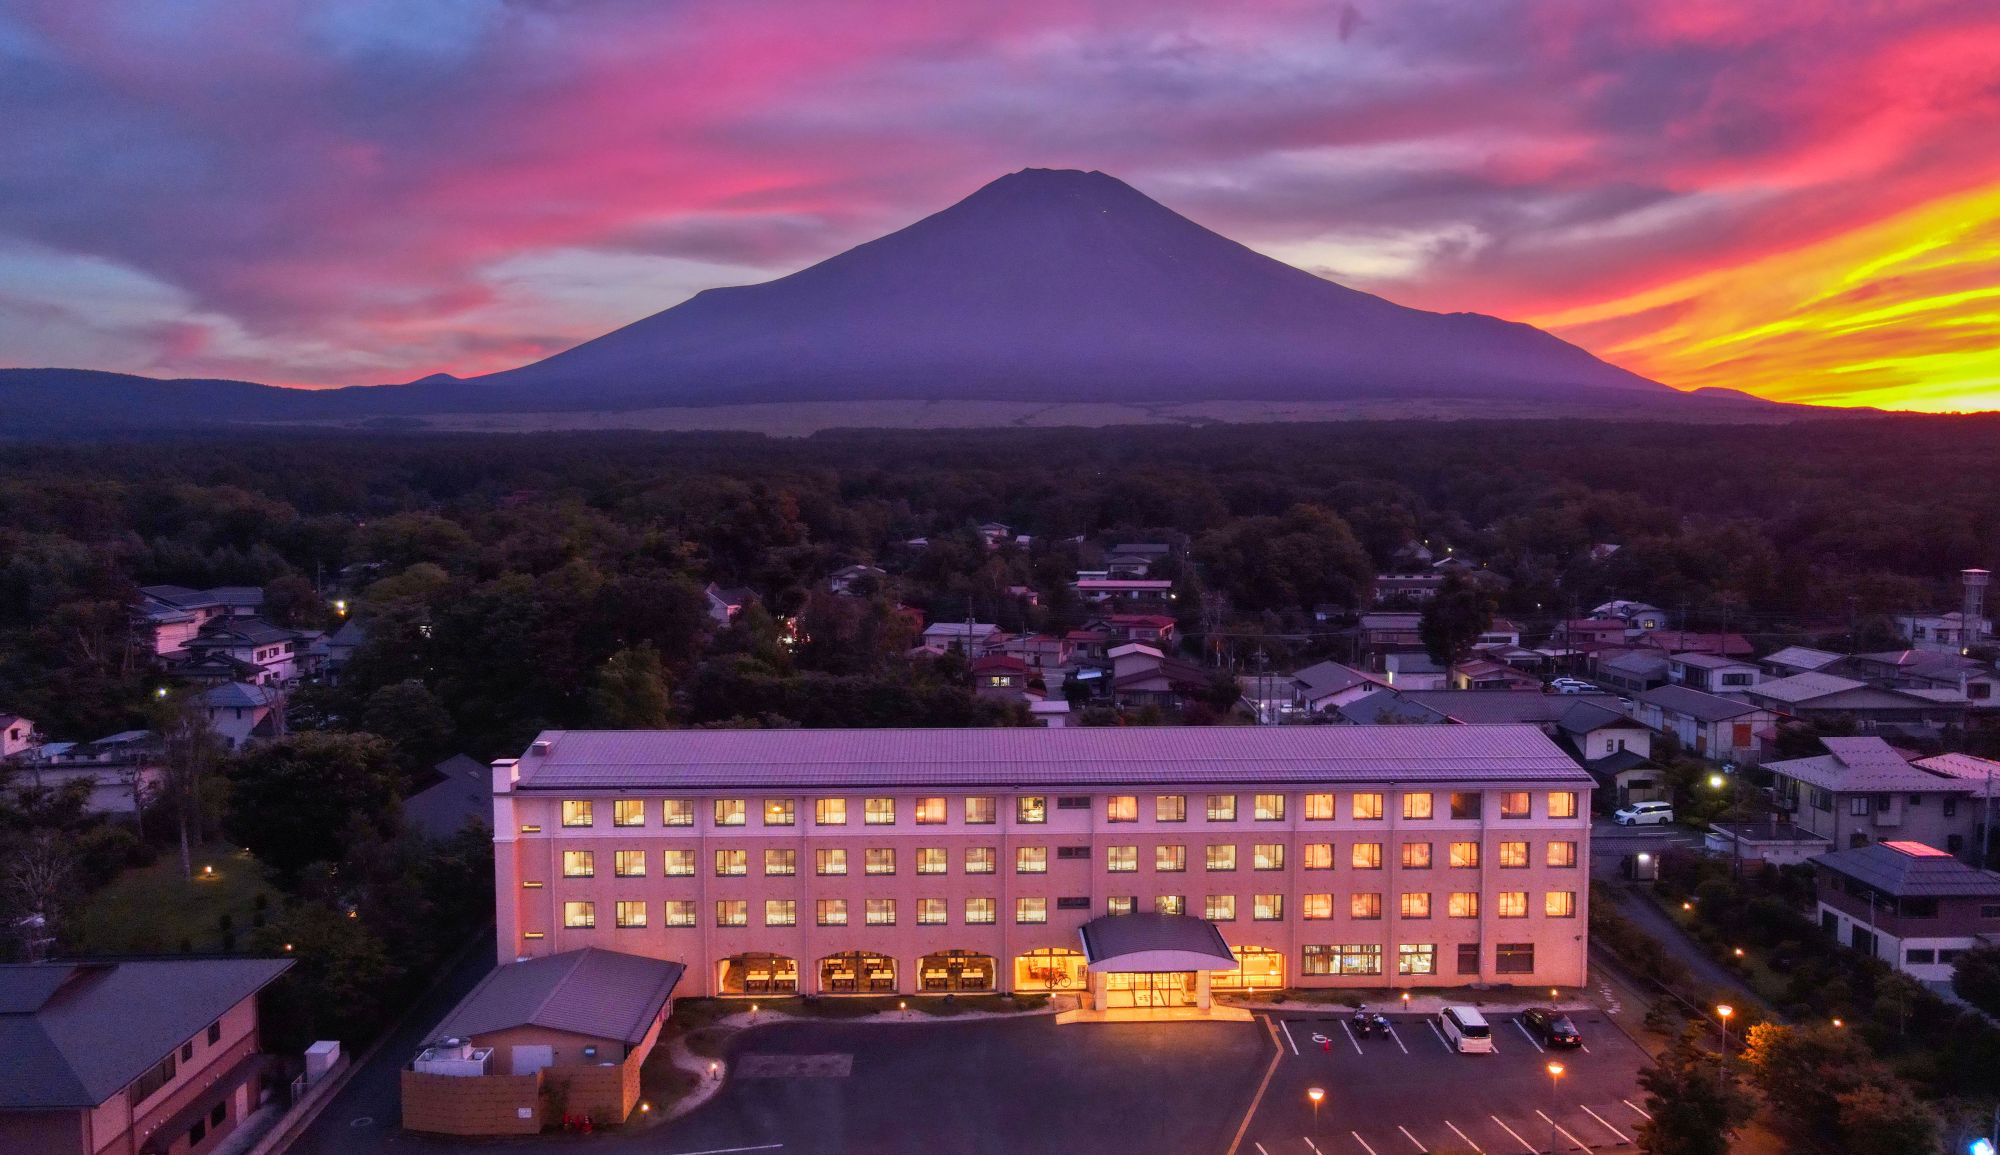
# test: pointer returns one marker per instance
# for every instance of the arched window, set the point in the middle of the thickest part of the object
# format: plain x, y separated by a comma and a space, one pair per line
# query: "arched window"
757, 974
956, 970
1051, 968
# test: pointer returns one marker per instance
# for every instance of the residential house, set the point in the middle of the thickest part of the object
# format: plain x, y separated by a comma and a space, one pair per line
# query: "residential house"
1770, 842
1392, 708
1406, 587
1325, 686
578, 1025
1631, 671
1412, 554
852, 579
1968, 679
1133, 592
119, 768
1709, 725
1028, 594
17, 735
1635, 615
974, 639
1590, 634
1413, 670
999, 677
1042, 651
1391, 630
167, 617
724, 603
996, 533
139, 1057
1827, 696
1907, 903
1482, 674
239, 649
1942, 632
1143, 676
1597, 729
1863, 790
1696, 642
1498, 632
1089, 645
327, 656
461, 797
1712, 673
243, 712
1796, 660
1152, 629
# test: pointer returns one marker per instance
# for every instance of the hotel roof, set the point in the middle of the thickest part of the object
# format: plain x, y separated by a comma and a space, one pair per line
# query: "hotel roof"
1032, 756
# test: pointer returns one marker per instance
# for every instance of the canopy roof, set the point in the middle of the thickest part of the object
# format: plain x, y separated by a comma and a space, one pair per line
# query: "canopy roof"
1154, 943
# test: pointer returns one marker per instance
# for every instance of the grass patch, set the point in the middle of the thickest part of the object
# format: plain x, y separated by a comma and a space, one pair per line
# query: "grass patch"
153, 910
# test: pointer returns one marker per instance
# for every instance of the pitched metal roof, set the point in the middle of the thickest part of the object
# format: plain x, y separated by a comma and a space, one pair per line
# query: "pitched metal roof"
1695, 704
1493, 706
1387, 707
1801, 658
1325, 678
602, 994
1805, 687
1905, 874
1029, 756
1154, 942
72, 1035
238, 695
464, 796
1863, 765
1703, 661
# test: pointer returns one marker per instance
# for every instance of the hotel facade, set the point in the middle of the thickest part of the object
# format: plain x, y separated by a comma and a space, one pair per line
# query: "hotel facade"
773, 862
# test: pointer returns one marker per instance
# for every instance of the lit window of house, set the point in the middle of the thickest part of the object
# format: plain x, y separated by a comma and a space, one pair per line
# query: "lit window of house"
579, 915
830, 812
579, 864
1222, 856
577, 813
628, 812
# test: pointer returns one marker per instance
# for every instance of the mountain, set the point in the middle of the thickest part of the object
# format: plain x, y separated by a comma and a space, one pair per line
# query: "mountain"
1043, 286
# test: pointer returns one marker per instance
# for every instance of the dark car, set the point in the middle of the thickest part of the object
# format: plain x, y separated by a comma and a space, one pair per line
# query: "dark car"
1551, 1027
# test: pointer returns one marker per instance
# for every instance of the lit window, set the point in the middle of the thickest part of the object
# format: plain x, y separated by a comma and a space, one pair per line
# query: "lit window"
579, 915
1121, 808
1562, 854
1366, 856
779, 812
781, 862
1222, 808
1416, 904
830, 912
1270, 807
879, 860
881, 912
830, 812
730, 812
1031, 808
1416, 856
1562, 804
1170, 904
1121, 859
1219, 908
1031, 860
677, 812
579, 864
1170, 808
628, 812
630, 914
1169, 859
830, 861
677, 863
1464, 854
1512, 903
1364, 906
679, 912
1031, 910
1222, 856
576, 813
628, 863
1316, 906
979, 811
878, 811
781, 912
1559, 904
978, 911
1515, 804
1357, 959
931, 912
979, 859
930, 812
1368, 807
1267, 907
1318, 855
1513, 855
1417, 806
1267, 856
1319, 807
1416, 959
1121, 904
1320, 960
1462, 904
933, 860
730, 863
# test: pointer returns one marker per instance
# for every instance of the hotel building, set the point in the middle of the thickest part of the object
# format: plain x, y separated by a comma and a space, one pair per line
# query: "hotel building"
917, 861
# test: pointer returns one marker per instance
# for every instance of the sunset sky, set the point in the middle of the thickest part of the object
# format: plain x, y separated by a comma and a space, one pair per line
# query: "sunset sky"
1799, 198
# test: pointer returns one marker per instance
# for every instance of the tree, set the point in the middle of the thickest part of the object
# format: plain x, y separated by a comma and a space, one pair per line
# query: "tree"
1693, 1103
1295, 561
190, 752
412, 719
36, 884
339, 983
631, 690
1884, 1118
291, 798
1976, 979
1453, 620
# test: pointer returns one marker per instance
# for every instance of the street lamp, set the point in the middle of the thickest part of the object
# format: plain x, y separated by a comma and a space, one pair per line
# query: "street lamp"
1722, 1013
1315, 1094
1552, 998
1555, 1101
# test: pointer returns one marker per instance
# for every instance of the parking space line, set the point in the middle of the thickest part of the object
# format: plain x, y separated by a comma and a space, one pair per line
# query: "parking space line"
1636, 1107
1277, 1056
1260, 1149
1468, 1139
1285, 1026
1351, 1040
1399, 1041
1622, 1136
1360, 1140
1525, 1145
729, 1150
1565, 1134
1413, 1139
1313, 1145
1442, 1041
1527, 1036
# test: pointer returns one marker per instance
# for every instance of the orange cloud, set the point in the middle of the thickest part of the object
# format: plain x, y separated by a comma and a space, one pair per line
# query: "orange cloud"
1900, 314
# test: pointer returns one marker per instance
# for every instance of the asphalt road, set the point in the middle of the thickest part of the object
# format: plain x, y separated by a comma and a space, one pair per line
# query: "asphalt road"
1412, 1094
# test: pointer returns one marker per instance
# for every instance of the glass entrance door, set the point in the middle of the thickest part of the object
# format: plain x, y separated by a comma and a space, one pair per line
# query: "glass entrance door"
1144, 989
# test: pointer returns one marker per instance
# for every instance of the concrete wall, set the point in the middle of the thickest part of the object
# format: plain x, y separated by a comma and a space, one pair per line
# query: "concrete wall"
458, 1105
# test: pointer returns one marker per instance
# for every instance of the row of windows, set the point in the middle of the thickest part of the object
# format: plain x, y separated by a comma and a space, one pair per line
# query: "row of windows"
1515, 958
982, 810
1168, 858
981, 911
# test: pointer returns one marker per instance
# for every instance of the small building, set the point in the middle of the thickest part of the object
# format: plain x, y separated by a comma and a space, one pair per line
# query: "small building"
1909, 904
1592, 633
1632, 671
853, 579
1712, 673
1697, 642
1328, 685
1709, 725
1393, 588
1388, 630
121, 768
1042, 651
1152, 629
1635, 615
973, 639
569, 1029
1824, 696
1945, 632
244, 712
167, 617
1772, 843
1002, 678
1143, 676
1863, 790
1124, 591
1597, 731
1796, 660
725, 602
1413, 670
462, 797
140, 1057
17, 735
239, 649
1484, 675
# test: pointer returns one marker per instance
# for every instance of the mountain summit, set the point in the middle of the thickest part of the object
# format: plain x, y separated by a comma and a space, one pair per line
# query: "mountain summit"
1056, 285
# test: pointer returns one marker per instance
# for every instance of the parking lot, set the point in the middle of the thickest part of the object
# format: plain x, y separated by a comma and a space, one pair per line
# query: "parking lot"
1412, 1094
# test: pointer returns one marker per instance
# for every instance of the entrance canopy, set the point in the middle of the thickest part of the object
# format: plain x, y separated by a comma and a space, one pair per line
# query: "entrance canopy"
1154, 943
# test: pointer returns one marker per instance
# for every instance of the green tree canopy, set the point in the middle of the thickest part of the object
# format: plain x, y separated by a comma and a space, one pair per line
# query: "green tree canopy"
1453, 620
291, 798
631, 691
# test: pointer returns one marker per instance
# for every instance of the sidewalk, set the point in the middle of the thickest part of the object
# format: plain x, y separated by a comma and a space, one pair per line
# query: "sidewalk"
1646, 914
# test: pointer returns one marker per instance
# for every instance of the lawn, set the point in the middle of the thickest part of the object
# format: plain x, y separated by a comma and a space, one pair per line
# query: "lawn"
153, 910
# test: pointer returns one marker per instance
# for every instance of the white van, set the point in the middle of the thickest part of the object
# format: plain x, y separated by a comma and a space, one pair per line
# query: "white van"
1466, 1029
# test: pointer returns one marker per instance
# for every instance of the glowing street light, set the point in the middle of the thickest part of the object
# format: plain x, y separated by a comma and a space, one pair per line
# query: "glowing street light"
1715, 781
1315, 1094
1555, 1097
1838, 1023
1739, 952
1722, 1013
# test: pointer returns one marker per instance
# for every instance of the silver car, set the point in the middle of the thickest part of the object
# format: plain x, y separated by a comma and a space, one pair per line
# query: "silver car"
1645, 814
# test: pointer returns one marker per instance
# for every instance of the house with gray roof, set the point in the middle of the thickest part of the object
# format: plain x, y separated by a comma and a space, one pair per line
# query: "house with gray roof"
462, 797
141, 1056
1907, 903
1796, 660
1821, 696
1708, 725
1864, 790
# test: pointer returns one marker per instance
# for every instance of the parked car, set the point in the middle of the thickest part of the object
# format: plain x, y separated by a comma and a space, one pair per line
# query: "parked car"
1572, 686
1551, 1026
1466, 1030
1644, 814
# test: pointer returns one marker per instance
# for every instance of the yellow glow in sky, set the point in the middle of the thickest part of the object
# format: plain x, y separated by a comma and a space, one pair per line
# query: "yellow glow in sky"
1901, 314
